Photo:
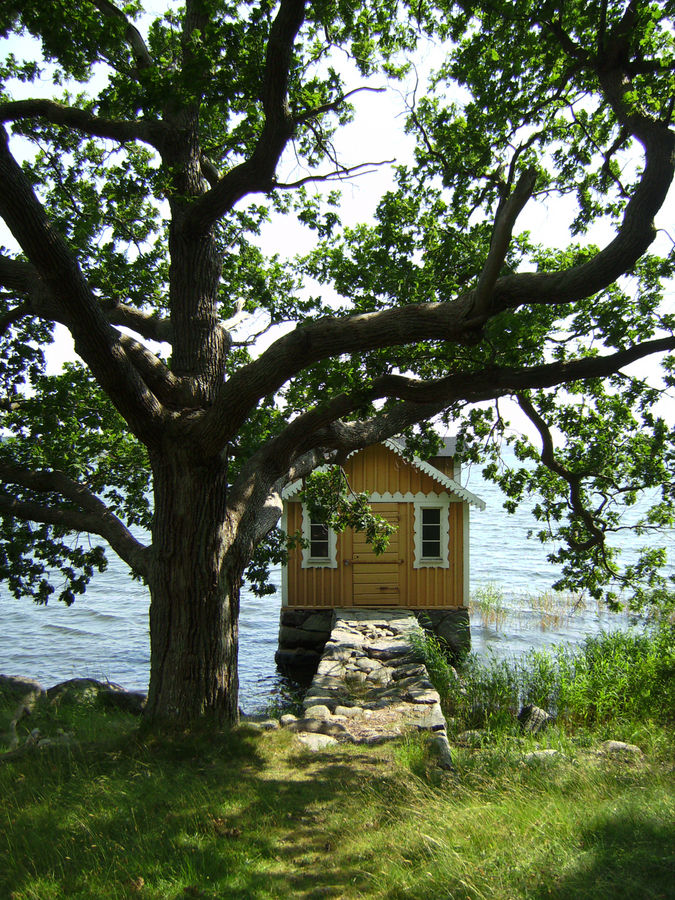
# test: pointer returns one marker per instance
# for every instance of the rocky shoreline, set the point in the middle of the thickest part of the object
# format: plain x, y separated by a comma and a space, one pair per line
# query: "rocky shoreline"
25, 692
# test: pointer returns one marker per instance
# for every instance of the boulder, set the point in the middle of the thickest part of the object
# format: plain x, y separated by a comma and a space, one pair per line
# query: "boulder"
348, 711
440, 742
619, 748
262, 724
126, 701
533, 719
317, 726
15, 688
316, 741
317, 711
89, 691
453, 627
77, 690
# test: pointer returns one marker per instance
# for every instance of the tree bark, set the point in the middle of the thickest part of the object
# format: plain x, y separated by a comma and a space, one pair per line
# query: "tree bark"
194, 588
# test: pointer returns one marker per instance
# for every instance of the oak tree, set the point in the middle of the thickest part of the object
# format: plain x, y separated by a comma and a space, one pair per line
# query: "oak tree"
135, 198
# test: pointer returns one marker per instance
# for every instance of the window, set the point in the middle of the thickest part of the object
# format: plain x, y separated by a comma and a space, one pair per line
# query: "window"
320, 550
318, 540
431, 532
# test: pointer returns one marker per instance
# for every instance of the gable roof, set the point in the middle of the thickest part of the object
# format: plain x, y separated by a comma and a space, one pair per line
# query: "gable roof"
397, 447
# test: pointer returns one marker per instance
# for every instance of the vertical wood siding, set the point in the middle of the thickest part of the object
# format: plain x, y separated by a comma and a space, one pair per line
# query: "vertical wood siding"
379, 470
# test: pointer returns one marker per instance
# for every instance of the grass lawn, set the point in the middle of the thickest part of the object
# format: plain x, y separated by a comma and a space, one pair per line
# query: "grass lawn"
250, 814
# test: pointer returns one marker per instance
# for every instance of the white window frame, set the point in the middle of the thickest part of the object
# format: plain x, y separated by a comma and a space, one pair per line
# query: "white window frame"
322, 562
441, 502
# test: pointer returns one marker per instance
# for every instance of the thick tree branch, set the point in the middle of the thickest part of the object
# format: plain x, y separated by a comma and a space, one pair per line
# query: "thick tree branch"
91, 514
95, 341
82, 120
16, 274
257, 173
132, 35
323, 429
505, 219
173, 392
149, 325
22, 277
632, 240
168, 389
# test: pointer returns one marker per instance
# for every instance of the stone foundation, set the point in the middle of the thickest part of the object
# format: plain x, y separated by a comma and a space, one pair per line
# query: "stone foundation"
303, 634
452, 626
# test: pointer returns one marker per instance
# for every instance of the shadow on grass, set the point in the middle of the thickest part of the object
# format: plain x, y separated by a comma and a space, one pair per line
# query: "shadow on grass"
623, 859
182, 818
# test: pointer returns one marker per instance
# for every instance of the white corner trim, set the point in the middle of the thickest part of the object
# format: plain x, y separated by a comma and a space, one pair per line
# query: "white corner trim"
284, 568
330, 562
466, 573
442, 501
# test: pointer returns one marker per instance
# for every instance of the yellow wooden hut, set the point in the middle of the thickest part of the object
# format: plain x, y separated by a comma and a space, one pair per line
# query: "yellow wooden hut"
425, 567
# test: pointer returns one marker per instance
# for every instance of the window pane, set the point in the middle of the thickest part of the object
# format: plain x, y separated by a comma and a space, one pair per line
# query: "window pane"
318, 536
431, 515
431, 532
431, 549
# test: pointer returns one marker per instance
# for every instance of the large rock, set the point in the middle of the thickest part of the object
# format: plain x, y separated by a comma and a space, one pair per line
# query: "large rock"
317, 726
89, 691
316, 741
440, 742
317, 711
15, 688
533, 719
126, 701
619, 748
452, 626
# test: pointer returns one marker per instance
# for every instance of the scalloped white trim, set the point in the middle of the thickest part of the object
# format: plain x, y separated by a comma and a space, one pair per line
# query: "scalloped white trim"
447, 482
454, 487
409, 497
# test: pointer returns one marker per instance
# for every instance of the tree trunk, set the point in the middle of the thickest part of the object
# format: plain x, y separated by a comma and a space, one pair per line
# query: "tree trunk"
194, 590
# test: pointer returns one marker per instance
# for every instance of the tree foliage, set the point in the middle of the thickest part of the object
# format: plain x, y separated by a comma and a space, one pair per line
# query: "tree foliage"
141, 160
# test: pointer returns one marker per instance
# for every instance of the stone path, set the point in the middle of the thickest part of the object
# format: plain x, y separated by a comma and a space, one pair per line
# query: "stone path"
371, 684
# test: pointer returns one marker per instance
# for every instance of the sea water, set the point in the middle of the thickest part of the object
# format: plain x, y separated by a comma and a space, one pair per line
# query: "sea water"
104, 634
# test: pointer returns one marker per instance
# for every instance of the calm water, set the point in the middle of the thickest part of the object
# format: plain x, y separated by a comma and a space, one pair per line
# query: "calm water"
105, 634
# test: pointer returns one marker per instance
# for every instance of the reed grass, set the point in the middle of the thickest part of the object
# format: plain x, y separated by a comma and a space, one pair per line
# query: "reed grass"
554, 609
488, 602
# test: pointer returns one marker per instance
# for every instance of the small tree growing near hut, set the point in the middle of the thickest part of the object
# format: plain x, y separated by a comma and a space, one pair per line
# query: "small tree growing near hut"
135, 202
